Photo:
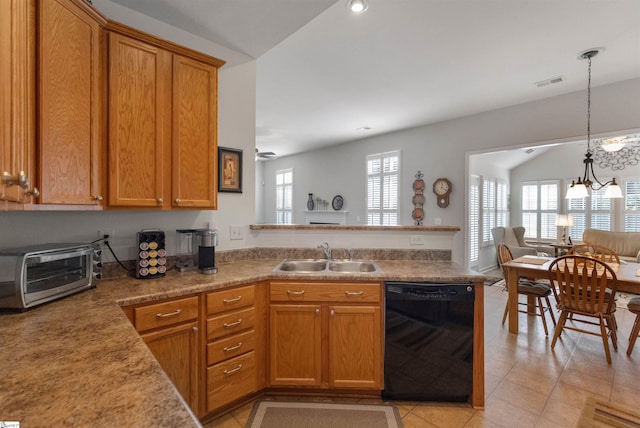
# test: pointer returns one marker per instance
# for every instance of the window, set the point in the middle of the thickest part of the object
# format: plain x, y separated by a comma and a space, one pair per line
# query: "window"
632, 205
593, 212
494, 207
383, 176
488, 209
284, 196
539, 209
474, 219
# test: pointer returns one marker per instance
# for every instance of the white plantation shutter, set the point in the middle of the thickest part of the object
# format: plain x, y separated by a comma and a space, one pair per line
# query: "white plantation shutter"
474, 219
488, 209
632, 205
548, 210
284, 196
578, 210
540, 209
383, 177
501, 204
529, 198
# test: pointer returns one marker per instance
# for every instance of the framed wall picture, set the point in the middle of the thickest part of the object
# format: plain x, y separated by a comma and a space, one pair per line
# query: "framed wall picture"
229, 170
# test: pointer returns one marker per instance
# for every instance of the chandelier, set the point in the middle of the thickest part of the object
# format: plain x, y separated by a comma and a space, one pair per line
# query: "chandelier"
579, 189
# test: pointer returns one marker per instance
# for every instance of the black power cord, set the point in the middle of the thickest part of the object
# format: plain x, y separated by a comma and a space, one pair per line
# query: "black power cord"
105, 241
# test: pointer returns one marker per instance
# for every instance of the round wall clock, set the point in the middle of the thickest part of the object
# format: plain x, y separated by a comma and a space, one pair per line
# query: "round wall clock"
442, 189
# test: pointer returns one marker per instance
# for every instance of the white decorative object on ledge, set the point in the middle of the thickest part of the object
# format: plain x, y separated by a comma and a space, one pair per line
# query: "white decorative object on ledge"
325, 217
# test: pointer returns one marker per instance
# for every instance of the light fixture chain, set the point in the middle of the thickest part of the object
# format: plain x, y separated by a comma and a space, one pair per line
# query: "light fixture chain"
589, 107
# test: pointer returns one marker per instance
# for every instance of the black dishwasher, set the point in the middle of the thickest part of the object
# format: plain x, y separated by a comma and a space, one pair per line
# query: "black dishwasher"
428, 352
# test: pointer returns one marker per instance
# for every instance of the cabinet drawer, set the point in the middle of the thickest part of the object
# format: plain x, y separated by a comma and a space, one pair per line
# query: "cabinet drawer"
224, 325
165, 313
321, 292
230, 380
228, 347
225, 300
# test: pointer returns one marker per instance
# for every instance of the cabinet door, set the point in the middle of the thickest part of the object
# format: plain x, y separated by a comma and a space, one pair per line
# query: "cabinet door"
176, 349
17, 93
194, 132
69, 103
295, 345
355, 347
139, 123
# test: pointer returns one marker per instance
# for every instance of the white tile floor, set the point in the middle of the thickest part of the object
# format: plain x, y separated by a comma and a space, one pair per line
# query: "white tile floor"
527, 384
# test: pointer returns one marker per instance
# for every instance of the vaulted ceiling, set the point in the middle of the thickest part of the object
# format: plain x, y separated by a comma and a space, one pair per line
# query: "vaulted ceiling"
323, 72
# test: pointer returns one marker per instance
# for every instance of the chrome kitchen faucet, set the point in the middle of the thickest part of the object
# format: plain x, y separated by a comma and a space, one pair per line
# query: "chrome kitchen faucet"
327, 250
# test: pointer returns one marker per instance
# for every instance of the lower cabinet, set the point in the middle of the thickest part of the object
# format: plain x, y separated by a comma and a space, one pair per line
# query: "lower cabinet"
231, 344
170, 330
325, 335
320, 335
176, 349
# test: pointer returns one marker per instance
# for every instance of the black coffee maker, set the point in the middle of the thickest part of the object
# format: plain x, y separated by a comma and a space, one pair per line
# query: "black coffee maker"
197, 250
207, 242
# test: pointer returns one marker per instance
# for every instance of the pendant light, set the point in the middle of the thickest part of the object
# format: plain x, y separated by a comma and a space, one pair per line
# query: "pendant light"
579, 189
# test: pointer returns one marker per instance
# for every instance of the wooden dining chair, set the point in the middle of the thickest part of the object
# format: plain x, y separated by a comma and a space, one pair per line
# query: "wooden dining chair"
634, 307
586, 286
601, 252
540, 291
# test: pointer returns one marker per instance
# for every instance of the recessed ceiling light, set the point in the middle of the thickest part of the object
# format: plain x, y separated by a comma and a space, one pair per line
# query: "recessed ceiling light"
357, 6
363, 128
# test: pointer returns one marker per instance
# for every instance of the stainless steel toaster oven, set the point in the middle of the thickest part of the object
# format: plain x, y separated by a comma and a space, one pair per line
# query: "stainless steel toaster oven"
37, 274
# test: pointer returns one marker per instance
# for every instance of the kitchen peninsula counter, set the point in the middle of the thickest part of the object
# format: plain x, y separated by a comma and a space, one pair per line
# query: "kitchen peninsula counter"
79, 361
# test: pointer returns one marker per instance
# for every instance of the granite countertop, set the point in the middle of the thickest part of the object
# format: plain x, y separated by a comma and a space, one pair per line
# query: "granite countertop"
78, 361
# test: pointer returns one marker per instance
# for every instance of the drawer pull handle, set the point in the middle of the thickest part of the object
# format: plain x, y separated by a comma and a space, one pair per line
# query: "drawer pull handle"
232, 324
296, 293
233, 348
228, 372
354, 293
170, 314
235, 299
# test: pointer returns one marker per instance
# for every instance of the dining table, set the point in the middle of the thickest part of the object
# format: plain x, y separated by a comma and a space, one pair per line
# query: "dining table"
537, 267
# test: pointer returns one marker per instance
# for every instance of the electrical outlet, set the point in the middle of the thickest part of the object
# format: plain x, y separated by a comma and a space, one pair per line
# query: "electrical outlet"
103, 232
236, 232
417, 240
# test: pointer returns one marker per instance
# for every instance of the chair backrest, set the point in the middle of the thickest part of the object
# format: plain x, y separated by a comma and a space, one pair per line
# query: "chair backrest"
504, 256
601, 252
584, 284
513, 236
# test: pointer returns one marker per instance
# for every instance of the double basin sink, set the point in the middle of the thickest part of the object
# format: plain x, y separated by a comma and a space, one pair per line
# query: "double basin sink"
327, 266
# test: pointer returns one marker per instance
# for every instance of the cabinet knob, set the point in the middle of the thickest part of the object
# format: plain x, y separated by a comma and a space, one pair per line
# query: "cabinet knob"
333, 312
160, 201
195, 329
177, 201
98, 198
317, 311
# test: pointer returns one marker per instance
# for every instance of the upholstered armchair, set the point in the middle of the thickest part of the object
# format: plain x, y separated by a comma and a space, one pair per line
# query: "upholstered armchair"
513, 237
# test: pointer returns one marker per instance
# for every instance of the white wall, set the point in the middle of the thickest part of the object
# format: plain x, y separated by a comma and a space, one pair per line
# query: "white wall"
442, 149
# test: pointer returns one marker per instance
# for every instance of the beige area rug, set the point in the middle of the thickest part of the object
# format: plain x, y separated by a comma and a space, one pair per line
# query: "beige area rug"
279, 414
597, 413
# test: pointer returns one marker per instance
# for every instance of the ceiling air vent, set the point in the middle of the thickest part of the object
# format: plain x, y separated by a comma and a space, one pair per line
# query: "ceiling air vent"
551, 81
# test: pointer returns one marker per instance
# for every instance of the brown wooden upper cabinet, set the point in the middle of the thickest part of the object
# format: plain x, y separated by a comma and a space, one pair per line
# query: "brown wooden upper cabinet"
70, 104
61, 57
162, 127
17, 98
